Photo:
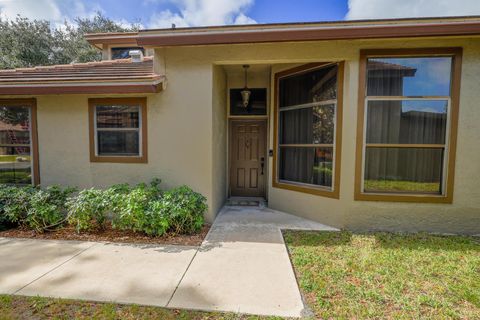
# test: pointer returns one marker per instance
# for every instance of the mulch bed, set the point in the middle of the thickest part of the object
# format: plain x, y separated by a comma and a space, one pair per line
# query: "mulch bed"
109, 235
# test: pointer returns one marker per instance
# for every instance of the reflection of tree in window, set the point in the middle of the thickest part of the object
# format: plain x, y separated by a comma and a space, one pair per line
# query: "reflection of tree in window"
307, 103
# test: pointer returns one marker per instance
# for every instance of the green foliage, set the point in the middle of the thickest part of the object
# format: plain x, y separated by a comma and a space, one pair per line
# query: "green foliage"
131, 208
46, 208
32, 207
27, 43
142, 208
15, 202
88, 210
184, 209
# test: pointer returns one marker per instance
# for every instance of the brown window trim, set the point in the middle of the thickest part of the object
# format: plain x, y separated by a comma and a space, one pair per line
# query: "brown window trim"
447, 197
32, 103
142, 102
320, 191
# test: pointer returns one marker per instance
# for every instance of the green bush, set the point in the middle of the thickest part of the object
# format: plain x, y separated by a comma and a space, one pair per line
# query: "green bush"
184, 210
15, 202
142, 208
88, 210
32, 207
130, 207
145, 209
47, 209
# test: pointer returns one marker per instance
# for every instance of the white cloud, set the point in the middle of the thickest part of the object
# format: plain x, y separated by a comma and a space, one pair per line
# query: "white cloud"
56, 11
379, 9
34, 9
203, 13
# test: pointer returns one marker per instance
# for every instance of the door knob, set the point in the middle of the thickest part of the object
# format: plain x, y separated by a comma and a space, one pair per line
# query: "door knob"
262, 164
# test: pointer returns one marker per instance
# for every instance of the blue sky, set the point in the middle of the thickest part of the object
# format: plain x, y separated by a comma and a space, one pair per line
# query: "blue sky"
162, 13
262, 11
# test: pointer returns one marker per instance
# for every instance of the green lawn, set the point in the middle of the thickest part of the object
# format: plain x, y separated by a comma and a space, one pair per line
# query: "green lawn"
20, 307
12, 158
387, 276
399, 185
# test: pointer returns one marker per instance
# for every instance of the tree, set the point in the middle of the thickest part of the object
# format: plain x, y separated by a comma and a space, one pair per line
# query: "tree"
27, 43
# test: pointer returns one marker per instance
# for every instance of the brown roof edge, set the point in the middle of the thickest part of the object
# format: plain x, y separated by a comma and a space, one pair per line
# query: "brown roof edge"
120, 38
321, 32
86, 89
299, 31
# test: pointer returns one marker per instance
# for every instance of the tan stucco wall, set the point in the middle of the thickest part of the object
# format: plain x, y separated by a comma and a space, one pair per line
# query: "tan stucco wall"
176, 144
463, 216
187, 139
219, 139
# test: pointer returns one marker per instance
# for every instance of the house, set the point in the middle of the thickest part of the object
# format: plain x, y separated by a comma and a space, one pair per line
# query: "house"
360, 125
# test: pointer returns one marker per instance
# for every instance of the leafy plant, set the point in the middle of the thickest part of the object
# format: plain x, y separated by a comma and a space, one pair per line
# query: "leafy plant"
46, 208
15, 202
184, 209
88, 210
131, 207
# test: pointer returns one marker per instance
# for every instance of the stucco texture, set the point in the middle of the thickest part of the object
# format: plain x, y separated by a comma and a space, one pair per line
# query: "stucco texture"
463, 216
187, 136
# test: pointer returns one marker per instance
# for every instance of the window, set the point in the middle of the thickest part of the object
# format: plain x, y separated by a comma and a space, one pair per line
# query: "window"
18, 142
118, 130
124, 52
308, 116
407, 124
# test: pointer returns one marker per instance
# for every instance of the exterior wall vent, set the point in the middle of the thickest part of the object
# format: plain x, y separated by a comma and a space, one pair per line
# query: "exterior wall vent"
136, 55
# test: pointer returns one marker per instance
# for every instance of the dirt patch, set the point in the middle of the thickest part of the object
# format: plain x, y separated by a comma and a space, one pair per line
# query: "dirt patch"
109, 234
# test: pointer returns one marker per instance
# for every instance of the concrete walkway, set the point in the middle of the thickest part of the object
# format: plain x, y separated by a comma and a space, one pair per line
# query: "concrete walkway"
242, 266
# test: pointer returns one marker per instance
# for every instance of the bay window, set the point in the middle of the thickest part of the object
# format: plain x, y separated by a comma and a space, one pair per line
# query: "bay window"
118, 130
408, 107
308, 115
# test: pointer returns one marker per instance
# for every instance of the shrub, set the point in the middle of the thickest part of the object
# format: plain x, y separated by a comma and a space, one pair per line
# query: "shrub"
32, 207
46, 208
156, 223
130, 207
142, 208
88, 210
184, 210
15, 202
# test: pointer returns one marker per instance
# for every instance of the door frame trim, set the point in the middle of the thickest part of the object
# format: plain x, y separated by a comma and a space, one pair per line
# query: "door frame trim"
229, 151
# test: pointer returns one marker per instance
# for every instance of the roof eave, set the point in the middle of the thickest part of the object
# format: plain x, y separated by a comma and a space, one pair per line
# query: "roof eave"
310, 34
83, 88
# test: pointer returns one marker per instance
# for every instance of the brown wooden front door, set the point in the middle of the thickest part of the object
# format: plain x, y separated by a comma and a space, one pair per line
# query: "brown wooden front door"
248, 158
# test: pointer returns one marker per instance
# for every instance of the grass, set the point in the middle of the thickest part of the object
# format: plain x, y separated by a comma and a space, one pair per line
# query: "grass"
13, 158
387, 276
20, 307
399, 185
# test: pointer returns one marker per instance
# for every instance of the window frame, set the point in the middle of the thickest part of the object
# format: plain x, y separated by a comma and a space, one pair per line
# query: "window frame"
111, 49
32, 104
453, 101
334, 191
142, 130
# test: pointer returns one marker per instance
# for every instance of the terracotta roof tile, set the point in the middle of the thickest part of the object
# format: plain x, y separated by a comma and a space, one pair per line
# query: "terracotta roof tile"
111, 70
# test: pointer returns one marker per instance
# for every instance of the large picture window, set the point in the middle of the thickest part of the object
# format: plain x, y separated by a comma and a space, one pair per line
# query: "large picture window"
18, 142
308, 115
118, 130
409, 106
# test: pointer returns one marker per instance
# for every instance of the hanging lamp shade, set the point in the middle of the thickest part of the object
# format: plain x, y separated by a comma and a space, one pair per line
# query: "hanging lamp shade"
245, 92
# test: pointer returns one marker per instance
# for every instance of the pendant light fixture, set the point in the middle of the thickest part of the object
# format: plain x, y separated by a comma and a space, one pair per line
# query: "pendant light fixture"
245, 92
